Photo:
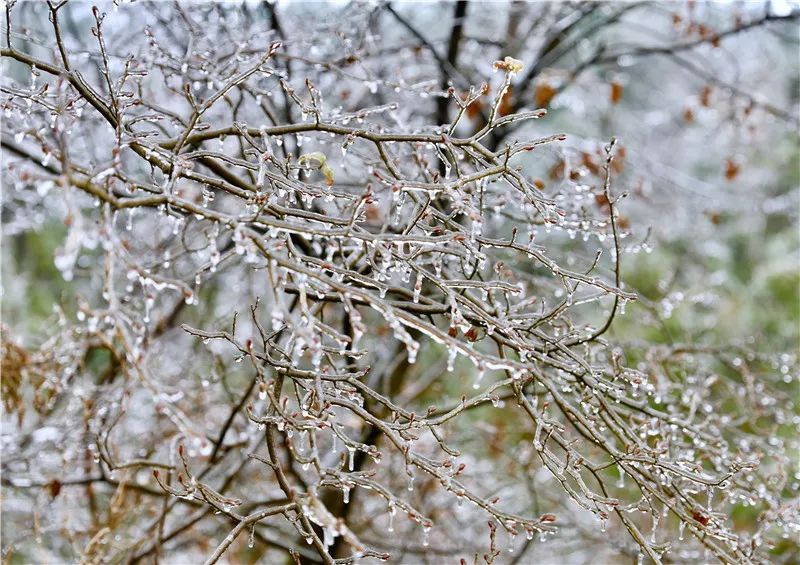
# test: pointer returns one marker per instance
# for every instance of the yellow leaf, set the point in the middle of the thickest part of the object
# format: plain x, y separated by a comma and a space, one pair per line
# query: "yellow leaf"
510, 65
321, 162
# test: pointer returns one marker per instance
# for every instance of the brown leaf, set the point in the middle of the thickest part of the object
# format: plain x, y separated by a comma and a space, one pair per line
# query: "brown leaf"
618, 164
538, 183
688, 115
557, 170
543, 94
373, 213
474, 109
54, 487
14, 362
705, 96
602, 202
702, 518
732, 169
616, 92
588, 162
506, 104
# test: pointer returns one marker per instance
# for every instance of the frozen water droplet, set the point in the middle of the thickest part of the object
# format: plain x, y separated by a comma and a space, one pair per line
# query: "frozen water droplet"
425, 535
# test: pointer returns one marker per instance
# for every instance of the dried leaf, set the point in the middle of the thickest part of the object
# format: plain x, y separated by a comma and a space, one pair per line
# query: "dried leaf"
602, 202
702, 518
543, 94
14, 360
732, 169
510, 65
54, 487
618, 163
588, 162
557, 170
474, 109
616, 92
506, 106
705, 96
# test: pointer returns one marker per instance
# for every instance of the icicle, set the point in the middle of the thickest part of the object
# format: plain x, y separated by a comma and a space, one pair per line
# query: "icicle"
655, 528
413, 349
621, 481
214, 255
425, 534
327, 536
208, 196
346, 493
481, 371
451, 358
392, 511
351, 457
148, 305
681, 527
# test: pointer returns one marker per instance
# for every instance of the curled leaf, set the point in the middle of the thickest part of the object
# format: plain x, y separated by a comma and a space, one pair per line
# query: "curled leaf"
321, 162
510, 65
